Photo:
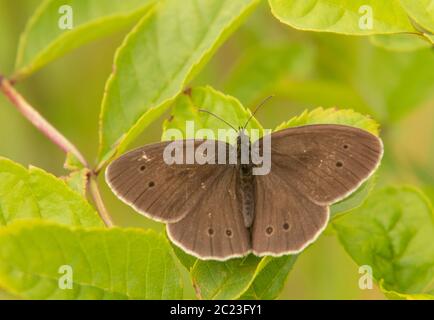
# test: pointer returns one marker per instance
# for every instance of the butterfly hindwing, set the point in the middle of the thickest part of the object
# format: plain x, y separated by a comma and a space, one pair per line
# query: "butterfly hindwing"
215, 227
286, 223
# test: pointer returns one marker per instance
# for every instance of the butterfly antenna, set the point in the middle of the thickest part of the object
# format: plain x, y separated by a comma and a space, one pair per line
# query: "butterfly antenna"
257, 109
221, 119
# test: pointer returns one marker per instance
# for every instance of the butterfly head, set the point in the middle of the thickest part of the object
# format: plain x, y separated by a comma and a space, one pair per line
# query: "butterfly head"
243, 138
241, 129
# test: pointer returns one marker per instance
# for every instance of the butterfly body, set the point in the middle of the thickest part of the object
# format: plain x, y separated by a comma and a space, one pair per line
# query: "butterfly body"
220, 211
245, 179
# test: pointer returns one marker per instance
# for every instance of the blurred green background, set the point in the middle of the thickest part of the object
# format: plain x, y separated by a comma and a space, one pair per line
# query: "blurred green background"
302, 69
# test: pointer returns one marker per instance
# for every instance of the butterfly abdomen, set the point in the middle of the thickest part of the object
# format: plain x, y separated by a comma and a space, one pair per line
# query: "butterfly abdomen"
245, 180
246, 193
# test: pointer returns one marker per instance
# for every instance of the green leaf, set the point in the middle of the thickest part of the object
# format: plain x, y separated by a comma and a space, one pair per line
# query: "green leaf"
149, 74
393, 295
34, 193
401, 42
260, 69
186, 260
243, 278
187, 105
43, 40
355, 200
270, 277
78, 180
106, 263
72, 163
333, 116
223, 280
393, 232
341, 16
422, 11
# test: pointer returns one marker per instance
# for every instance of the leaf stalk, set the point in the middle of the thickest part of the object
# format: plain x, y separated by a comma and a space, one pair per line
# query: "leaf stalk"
39, 121
46, 128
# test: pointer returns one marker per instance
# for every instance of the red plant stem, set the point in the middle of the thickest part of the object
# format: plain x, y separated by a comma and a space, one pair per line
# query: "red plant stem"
38, 121
57, 138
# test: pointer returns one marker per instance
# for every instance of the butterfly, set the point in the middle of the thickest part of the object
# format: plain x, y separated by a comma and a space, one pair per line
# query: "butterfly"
222, 211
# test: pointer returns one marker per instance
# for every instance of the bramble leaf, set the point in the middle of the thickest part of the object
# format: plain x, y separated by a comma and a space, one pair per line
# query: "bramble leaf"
34, 193
422, 11
103, 263
354, 200
393, 232
270, 277
44, 40
72, 163
186, 108
242, 278
186, 260
78, 180
223, 280
341, 16
158, 58
333, 116
394, 295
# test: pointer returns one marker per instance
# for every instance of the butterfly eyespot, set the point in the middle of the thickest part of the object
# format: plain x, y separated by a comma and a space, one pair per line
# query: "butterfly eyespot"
210, 232
151, 184
339, 164
285, 226
142, 168
229, 233
345, 146
269, 230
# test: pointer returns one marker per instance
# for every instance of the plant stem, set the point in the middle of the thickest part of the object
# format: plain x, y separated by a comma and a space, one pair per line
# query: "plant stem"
38, 121
57, 138
96, 195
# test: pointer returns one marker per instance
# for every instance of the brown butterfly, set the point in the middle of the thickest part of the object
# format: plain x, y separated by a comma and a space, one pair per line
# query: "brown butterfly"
221, 211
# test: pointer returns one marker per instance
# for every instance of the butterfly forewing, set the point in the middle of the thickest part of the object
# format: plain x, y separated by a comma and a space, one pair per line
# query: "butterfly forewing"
311, 168
325, 162
164, 192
